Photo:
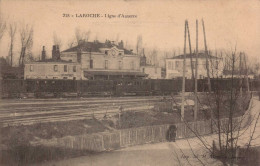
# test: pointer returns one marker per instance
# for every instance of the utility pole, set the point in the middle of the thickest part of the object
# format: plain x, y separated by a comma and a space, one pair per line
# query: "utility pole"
196, 74
247, 82
192, 72
207, 67
240, 73
206, 52
183, 77
119, 116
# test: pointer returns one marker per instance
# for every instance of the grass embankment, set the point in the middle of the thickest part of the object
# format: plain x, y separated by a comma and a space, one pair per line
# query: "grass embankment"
17, 150
164, 114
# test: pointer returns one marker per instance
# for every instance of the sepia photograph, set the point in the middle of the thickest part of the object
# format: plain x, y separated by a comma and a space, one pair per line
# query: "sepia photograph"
129, 83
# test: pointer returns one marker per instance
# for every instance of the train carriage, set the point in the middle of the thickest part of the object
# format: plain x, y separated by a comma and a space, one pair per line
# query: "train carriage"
132, 87
14, 88
95, 87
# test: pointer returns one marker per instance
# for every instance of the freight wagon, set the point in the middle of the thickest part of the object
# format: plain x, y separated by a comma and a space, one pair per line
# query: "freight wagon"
15, 88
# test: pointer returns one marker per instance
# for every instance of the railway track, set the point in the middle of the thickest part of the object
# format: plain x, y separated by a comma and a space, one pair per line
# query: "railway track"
27, 112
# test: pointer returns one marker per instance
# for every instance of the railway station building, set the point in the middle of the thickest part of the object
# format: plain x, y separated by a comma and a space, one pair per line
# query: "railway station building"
174, 66
104, 60
54, 68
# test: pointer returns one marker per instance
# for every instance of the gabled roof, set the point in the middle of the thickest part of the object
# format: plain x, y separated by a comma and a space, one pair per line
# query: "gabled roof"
95, 47
193, 55
50, 61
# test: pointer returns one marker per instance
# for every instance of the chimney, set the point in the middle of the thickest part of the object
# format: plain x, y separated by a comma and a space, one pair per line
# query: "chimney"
121, 44
43, 53
81, 43
55, 52
79, 52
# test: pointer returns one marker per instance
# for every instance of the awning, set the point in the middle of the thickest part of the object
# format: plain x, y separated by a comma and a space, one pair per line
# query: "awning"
114, 73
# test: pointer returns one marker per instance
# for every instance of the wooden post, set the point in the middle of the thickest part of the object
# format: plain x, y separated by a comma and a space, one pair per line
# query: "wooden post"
196, 75
207, 66
240, 74
119, 116
183, 77
192, 72
206, 52
247, 82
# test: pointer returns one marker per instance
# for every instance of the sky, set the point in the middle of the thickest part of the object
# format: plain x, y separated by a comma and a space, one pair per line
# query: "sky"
161, 23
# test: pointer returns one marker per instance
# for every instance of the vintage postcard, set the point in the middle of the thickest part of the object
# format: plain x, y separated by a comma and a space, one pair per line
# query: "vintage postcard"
127, 82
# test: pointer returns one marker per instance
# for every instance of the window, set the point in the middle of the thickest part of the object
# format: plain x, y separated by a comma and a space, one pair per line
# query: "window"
143, 70
133, 65
120, 65
106, 52
217, 63
31, 67
74, 68
169, 65
91, 64
65, 68
106, 64
205, 65
55, 68
177, 64
155, 70
193, 64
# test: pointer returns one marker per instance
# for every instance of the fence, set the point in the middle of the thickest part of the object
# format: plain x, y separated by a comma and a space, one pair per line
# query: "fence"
136, 136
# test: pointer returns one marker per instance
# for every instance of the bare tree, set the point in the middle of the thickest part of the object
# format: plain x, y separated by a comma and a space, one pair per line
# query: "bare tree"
82, 36
117, 38
12, 32
139, 44
230, 119
26, 36
230, 112
71, 43
2, 26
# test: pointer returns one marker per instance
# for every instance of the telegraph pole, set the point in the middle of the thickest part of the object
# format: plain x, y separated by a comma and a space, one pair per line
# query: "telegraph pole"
240, 74
183, 77
207, 66
247, 81
192, 71
196, 74
206, 52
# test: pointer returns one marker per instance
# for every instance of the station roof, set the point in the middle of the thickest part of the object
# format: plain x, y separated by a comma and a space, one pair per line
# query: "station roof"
51, 61
193, 55
95, 47
124, 73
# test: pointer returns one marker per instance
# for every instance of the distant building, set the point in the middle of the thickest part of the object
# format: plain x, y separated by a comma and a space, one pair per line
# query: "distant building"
9, 72
54, 68
152, 71
174, 66
104, 60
